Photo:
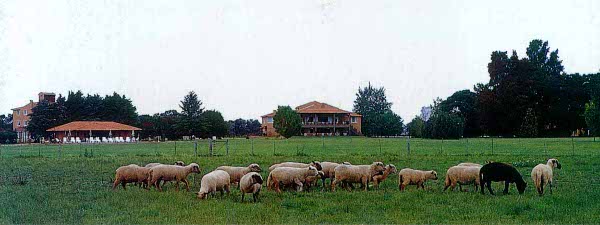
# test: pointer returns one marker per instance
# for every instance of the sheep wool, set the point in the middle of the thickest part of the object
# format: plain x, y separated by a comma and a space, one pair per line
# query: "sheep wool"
236, 173
542, 175
251, 183
469, 164
409, 176
131, 174
289, 176
357, 174
315, 164
172, 173
462, 175
212, 182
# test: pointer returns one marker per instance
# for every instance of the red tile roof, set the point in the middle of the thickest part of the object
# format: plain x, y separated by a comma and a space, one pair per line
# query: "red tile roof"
317, 107
92, 125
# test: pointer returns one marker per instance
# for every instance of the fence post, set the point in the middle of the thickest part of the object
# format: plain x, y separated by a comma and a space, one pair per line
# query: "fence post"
572, 146
211, 145
252, 144
379, 145
408, 146
545, 149
323, 142
176, 148
60, 150
273, 147
467, 146
227, 146
492, 145
1, 157
196, 148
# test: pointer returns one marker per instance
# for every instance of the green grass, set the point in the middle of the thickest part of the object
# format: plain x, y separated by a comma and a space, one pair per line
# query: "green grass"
42, 184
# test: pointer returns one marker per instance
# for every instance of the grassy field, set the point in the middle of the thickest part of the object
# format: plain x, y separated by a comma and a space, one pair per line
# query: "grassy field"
72, 183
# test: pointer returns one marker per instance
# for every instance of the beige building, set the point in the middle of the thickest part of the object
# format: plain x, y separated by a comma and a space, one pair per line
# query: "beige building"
21, 116
320, 119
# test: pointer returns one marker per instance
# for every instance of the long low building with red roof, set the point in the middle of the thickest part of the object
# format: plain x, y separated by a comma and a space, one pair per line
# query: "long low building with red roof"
87, 129
320, 119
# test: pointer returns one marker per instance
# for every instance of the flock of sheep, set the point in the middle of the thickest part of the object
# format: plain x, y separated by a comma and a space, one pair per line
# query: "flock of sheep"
299, 176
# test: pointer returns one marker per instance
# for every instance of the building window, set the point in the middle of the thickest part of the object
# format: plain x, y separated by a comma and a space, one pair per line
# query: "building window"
17, 112
25, 123
18, 123
25, 112
354, 119
269, 119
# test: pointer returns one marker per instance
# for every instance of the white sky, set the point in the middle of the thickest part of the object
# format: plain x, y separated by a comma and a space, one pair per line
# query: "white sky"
244, 58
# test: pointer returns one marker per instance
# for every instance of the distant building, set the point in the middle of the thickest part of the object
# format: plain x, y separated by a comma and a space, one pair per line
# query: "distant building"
425, 113
85, 130
21, 116
320, 119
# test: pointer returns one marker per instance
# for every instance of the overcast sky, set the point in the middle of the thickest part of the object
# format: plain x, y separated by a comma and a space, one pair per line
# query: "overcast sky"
244, 58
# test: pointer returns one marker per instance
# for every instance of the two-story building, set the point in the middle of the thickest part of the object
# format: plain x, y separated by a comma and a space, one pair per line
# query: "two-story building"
320, 119
21, 116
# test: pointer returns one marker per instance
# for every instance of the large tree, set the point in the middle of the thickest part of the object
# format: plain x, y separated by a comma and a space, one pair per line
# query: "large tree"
215, 124
464, 103
391, 124
442, 124
190, 121
371, 103
46, 115
287, 122
416, 127
7, 135
119, 108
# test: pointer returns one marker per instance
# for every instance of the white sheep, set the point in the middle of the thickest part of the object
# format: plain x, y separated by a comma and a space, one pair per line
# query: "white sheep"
462, 175
315, 164
542, 175
172, 173
469, 164
236, 173
356, 174
150, 165
212, 182
289, 176
409, 176
389, 169
131, 174
251, 183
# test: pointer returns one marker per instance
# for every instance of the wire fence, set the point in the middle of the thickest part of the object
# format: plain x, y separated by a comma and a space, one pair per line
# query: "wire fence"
314, 147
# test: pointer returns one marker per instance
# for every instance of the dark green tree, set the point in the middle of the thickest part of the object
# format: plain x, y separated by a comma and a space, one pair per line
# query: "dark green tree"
416, 127
592, 117
46, 115
529, 128
443, 125
391, 124
287, 122
119, 108
371, 103
75, 106
464, 103
215, 124
93, 106
190, 120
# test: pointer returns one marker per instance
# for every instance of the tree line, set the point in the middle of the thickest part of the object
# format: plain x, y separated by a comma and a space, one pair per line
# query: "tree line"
529, 96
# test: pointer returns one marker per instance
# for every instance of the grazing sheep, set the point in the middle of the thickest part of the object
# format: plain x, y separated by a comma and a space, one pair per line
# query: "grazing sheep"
356, 174
131, 174
150, 165
312, 180
172, 173
315, 164
542, 175
389, 169
469, 164
236, 173
409, 176
328, 169
251, 183
496, 171
289, 176
212, 182
462, 175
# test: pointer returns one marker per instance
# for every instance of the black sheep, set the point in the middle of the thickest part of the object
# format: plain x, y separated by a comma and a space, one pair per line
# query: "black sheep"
496, 171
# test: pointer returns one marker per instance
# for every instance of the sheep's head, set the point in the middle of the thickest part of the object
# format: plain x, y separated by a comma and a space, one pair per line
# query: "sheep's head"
312, 171
391, 169
320, 174
254, 167
555, 163
317, 165
377, 168
201, 195
257, 179
195, 167
432, 175
180, 163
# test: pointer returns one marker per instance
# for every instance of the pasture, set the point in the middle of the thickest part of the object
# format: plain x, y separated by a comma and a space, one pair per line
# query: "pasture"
72, 183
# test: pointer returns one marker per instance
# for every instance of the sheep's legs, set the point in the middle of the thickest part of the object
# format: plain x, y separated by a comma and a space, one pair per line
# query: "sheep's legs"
506, 185
187, 184
115, 184
176, 185
242, 196
124, 185
550, 186
333, 183
489, 187
255, 196
365, 183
